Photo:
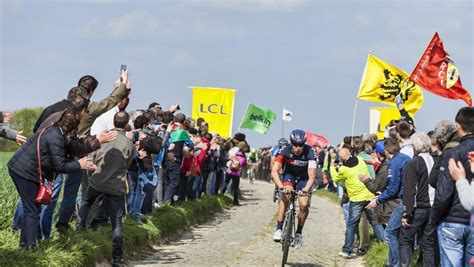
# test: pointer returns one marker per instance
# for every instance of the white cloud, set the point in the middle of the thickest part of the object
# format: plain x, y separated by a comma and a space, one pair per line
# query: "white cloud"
253, 5
142, 24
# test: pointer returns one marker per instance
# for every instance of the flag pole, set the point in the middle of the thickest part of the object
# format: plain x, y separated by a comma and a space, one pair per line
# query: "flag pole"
283, 124
353, 121
245, 114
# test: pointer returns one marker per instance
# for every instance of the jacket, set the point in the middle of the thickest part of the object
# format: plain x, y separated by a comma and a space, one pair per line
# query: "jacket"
349, 174
395, 170
50, 110
96, 109
415, 185
7, 132
242, 161
113, 160
453, 141
52, 153
447, 206
376, 186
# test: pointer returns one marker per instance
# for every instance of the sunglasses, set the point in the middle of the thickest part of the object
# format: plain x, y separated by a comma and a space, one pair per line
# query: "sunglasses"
297, 145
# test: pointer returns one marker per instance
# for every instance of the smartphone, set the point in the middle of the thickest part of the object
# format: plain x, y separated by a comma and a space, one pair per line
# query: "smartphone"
178, 107
122, 68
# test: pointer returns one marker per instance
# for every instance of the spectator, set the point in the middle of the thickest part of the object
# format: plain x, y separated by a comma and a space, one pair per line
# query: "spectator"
9, 133
72, 181
44, 152
447, 138
393, 190
416, 199
348, 173
454, 234
235, 165
110, 179
404, 131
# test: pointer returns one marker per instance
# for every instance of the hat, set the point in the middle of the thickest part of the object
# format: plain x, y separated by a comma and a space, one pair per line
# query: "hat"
379, 147
239, 137
154, 105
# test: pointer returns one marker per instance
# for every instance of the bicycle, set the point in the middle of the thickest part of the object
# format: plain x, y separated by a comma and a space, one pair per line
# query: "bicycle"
289, 226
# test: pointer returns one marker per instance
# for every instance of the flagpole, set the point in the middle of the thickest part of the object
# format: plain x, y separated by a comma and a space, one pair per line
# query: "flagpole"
245, 114
283, 123
353, 121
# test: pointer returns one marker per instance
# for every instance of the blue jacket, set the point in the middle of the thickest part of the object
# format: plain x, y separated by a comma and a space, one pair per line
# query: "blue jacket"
394, 187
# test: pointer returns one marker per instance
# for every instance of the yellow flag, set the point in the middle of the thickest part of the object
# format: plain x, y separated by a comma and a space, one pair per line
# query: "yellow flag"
381, 117
216, 107
382, 82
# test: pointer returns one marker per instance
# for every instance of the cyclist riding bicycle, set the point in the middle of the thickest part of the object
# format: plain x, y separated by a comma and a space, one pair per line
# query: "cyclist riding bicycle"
297, 162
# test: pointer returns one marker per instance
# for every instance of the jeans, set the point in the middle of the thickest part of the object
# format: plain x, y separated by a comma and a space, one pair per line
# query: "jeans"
456, 243
353, 219
419, 224
30, 224
197, 186
392, 232
68, 205
115, 209
47, 212
136, 195
171, 177
235, 186
219, 179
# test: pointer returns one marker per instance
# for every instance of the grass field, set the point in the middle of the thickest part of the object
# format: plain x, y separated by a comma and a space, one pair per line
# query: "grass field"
89, 247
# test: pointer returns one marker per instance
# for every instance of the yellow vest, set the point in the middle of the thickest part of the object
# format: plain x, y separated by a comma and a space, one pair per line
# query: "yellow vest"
350, 177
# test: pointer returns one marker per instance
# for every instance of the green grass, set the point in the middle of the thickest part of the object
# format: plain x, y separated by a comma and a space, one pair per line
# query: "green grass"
89, 247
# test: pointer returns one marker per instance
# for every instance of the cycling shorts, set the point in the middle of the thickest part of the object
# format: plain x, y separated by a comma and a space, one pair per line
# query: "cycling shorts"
297, 183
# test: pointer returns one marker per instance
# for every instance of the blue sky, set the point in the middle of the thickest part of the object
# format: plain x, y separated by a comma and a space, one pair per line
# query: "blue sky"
305, 55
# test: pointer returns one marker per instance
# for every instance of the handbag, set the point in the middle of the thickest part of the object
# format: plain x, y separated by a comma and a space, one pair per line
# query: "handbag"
45, 191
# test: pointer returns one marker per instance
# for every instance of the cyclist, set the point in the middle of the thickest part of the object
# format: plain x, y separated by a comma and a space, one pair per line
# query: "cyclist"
298, 163
282, 142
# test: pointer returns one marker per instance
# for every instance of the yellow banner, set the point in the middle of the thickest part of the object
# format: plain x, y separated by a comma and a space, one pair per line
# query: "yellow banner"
382, 82
216, 107
381, 117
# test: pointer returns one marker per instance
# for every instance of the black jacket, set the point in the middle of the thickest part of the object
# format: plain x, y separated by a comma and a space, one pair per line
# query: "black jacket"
446, 206
58, 106
52, 153
453, 141
415, 185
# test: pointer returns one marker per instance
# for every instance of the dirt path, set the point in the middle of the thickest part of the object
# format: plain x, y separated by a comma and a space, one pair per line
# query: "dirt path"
243, 236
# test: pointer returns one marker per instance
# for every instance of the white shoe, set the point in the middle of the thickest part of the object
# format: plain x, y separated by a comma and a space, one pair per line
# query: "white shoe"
277, 235
298, 241
344, 255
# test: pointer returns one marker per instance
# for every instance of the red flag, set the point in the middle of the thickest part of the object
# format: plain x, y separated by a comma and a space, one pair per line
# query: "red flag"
313, 139
437, 73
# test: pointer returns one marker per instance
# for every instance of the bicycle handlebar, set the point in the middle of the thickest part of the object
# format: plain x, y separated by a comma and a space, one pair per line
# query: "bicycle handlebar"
296, 192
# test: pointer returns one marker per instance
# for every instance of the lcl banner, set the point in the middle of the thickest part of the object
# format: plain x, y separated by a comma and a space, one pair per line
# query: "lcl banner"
216, 107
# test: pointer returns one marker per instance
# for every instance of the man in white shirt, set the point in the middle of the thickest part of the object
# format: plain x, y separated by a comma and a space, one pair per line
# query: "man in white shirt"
105, 121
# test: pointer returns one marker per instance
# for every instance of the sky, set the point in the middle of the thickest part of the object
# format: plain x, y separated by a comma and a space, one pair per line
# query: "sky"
305, 55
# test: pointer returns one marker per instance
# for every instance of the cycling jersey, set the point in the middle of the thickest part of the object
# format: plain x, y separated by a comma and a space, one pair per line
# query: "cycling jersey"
296, 166
275, 150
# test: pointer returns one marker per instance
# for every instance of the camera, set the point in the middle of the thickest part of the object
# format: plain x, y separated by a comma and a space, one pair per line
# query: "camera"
123, 67
178, 107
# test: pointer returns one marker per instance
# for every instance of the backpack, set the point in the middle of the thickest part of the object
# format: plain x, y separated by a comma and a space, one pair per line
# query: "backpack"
148, 180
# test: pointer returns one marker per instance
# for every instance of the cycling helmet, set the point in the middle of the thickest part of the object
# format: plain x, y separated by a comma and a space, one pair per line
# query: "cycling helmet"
379, 147
298, 137
282, 142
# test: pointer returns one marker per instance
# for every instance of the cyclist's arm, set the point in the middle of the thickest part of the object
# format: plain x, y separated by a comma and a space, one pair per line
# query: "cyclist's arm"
311, 174
276, 169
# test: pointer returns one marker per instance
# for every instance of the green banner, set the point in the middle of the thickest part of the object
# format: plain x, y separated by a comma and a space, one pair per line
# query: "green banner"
258, 119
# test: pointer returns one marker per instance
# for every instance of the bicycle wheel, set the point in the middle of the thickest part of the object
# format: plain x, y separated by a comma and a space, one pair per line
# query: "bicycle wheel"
287, 235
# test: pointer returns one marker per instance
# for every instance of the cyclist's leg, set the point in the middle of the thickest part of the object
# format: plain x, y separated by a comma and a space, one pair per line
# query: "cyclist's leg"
288, 182
303, 202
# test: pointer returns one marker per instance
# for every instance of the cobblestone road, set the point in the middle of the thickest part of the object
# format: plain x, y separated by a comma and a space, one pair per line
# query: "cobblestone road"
242, 236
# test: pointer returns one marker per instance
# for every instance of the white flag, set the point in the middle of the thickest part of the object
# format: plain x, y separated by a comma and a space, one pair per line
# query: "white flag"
287, 115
